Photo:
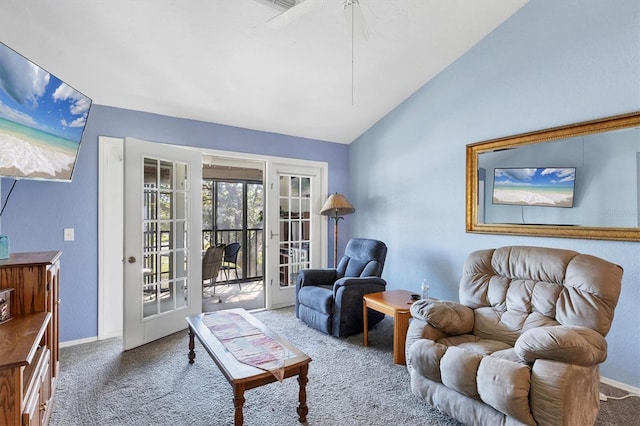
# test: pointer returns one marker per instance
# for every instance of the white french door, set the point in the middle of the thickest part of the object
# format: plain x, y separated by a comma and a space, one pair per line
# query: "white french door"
295, 228
162, 223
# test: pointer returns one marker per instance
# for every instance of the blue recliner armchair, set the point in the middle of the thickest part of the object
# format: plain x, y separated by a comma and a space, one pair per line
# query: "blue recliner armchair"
330, 300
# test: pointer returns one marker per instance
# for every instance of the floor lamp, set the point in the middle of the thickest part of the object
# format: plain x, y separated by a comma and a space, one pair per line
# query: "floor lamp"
335, 207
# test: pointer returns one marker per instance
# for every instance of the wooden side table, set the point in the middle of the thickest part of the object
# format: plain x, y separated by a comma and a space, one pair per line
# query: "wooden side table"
395, 303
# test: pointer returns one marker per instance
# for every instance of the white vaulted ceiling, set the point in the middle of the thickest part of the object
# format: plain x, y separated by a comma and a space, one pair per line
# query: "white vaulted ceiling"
218, 61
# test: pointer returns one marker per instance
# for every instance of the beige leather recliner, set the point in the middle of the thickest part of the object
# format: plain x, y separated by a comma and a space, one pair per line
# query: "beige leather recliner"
525, 342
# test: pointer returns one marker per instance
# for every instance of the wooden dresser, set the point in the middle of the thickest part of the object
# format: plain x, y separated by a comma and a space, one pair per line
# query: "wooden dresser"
29, 352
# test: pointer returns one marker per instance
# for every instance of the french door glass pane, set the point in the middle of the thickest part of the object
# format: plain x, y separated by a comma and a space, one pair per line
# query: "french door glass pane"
181, 229
166, 175
166, 205
295, 187
295, 227
165, 267
181, 293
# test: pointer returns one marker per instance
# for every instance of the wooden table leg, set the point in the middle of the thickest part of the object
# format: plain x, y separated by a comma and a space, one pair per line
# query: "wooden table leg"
400, 327
192, 352
365, 322
238, 402
303, 410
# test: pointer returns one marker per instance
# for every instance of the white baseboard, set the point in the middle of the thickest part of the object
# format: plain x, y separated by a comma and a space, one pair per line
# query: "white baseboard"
619, 385
110, 335
78, 342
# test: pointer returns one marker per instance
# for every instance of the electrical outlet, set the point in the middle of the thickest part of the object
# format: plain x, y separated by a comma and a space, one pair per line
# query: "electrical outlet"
69, 234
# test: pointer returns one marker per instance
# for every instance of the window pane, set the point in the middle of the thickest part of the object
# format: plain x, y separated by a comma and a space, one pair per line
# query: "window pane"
284, 186
284, 208
182, 177
180, 236
181, 293
150, 300
149, 269
295, 231
295, 187
181, 264
284, 264
181, 205
305, 207
150, 204
166, 175
166, 267
305, 187
166, 236
165, 205
150, 173
166, 297
149, 237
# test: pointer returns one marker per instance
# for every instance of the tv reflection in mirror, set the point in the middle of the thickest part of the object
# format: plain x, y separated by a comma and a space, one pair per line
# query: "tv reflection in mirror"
539, 186
42, 120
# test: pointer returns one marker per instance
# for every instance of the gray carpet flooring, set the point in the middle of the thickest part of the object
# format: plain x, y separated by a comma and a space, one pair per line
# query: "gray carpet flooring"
349, 384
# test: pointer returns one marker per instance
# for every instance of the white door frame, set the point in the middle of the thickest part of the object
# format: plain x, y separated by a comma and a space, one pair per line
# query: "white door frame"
110, 236
110, 290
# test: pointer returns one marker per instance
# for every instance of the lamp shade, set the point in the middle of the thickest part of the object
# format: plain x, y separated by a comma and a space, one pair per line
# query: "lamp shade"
337, 205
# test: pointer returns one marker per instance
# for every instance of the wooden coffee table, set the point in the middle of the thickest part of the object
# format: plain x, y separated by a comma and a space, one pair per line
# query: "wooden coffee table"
395, 303
242, 376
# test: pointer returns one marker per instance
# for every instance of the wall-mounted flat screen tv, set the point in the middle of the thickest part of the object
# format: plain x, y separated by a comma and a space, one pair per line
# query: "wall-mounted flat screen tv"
534, 186
41, 121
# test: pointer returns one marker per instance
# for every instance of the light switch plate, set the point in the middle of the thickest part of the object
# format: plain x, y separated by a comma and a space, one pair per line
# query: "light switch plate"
69, 234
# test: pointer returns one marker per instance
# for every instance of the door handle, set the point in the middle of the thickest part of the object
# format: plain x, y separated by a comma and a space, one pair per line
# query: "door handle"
272, 234
131, 259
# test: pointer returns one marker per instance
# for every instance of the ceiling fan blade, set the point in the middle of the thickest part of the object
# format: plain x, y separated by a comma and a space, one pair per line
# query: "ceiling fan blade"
294, 13
281, 5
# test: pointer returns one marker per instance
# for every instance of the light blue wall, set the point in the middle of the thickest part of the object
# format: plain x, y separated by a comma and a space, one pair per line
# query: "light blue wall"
553, 63
38, 211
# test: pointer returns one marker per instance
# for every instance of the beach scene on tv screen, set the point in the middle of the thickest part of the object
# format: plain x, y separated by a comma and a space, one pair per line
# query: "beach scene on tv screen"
551, 187
41, 120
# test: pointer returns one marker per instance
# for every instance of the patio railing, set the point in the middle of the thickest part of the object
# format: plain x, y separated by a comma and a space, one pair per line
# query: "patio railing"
250, 257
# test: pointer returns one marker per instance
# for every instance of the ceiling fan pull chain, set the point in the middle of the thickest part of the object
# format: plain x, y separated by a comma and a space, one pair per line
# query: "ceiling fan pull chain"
352, 61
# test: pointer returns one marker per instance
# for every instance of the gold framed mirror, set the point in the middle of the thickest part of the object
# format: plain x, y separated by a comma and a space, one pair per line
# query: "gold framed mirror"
576, 181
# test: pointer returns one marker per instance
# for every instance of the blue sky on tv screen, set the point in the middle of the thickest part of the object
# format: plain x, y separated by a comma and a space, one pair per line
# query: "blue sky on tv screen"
30, 96
536, 177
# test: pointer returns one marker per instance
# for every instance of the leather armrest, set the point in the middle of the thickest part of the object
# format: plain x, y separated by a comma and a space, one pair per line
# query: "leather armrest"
570, 344
450, 318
